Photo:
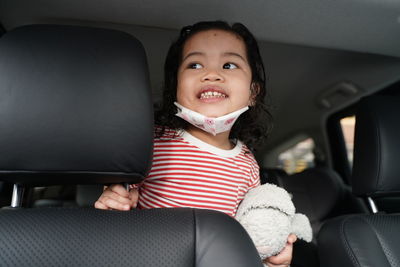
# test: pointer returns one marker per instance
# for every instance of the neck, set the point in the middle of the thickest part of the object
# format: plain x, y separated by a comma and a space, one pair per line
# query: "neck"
221, 140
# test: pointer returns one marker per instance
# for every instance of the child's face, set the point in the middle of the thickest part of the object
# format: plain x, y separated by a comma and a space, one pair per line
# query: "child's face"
214, 77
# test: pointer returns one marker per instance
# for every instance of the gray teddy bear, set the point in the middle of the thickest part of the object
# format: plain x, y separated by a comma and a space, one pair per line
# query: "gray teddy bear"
268, 215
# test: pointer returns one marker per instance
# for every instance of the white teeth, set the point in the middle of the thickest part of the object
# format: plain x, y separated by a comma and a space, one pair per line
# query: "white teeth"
213, 94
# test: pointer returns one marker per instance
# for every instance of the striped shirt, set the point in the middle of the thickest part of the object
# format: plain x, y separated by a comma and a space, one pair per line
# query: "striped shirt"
188, 172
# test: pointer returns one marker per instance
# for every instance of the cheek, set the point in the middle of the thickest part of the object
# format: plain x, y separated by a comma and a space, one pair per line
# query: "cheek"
247, 94
185, 88
179, 94
182, 94
179, 88
179, 98
245, 98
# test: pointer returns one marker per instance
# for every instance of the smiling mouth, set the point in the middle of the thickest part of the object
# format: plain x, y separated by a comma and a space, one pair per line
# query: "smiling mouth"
207, 94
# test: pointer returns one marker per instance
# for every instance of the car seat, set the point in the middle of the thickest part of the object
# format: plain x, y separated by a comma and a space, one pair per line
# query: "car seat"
320, 194
75, 108
369, 239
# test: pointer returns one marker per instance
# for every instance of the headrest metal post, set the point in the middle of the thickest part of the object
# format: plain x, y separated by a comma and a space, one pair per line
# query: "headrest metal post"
372, 205
17, 196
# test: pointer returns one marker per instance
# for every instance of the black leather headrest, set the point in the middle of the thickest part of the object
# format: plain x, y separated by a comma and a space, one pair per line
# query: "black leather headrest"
75, 106
376, 169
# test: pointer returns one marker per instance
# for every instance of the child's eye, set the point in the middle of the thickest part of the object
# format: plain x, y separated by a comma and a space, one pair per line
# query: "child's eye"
195, 66
230, 66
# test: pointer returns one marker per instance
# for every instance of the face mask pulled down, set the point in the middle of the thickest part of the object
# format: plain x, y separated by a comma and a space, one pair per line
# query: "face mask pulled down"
213, 126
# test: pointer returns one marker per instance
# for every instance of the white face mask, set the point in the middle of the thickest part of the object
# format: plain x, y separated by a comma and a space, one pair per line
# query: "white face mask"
210, 125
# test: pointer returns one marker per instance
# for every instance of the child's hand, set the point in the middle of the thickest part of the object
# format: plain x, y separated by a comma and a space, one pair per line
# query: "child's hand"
115, 197
284, 258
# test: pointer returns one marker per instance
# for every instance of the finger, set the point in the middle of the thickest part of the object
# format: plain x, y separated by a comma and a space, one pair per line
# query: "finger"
109, 198
100, 205
284, 257
292, 238
114, 204
134, 197
116, 197
119, 189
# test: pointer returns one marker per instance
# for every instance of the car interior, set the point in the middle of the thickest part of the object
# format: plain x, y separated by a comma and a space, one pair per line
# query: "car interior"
78, 83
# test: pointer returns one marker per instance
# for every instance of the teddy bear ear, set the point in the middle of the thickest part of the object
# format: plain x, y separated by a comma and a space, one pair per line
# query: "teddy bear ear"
301, 227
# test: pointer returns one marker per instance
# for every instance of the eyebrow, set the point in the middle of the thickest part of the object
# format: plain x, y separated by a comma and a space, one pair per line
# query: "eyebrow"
235, 55
193, 54
224, 54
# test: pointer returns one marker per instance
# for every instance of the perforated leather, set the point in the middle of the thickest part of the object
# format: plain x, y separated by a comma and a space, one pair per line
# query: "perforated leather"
89, 237
359, 240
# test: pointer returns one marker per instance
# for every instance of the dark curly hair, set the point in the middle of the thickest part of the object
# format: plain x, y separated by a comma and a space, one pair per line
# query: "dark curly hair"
253, 126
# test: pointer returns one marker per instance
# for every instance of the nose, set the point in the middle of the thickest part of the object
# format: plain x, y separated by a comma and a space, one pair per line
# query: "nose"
212, 76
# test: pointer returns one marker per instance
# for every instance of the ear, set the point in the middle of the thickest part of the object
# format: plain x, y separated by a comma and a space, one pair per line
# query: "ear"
301, 227
254, 91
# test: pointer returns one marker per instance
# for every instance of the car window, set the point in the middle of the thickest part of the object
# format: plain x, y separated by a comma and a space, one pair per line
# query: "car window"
347, 124
298, 158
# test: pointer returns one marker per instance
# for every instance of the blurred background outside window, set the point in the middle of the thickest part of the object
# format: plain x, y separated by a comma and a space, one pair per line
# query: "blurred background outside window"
348, 124
298, 158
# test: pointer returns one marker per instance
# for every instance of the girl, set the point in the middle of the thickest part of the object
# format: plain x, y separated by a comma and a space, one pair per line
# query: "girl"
212, 112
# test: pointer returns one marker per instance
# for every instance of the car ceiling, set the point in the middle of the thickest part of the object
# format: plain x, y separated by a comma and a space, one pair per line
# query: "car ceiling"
314, 51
